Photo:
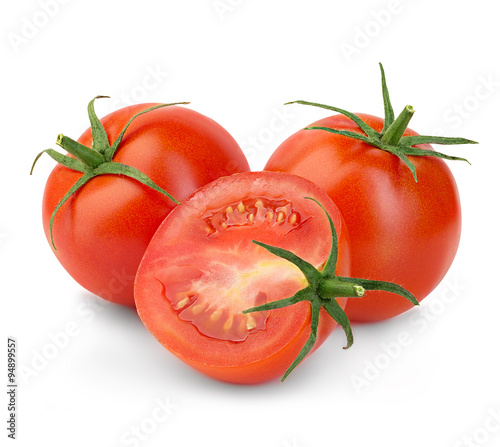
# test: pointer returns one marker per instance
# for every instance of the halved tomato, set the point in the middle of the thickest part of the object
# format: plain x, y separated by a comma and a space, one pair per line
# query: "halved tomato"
202, 270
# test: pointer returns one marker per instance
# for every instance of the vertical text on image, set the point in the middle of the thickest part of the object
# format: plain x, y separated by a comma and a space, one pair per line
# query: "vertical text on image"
11, 388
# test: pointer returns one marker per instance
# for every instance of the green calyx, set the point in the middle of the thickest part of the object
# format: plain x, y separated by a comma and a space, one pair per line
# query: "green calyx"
98, 159
391, 138
322, 291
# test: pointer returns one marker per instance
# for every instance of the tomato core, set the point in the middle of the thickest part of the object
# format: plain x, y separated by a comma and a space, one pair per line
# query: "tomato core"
279, 213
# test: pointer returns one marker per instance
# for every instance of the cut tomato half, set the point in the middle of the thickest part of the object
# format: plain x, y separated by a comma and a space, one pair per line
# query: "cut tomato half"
202, 270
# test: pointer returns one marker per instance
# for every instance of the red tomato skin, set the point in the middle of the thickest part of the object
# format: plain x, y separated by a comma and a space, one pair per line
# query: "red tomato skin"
102, 231
400, 231
265, 355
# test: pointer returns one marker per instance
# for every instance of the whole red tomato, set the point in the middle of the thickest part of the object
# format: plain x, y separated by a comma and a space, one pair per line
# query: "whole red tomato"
100, 232
401, 229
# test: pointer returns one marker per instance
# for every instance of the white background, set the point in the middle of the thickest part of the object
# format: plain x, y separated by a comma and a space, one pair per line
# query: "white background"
428, 377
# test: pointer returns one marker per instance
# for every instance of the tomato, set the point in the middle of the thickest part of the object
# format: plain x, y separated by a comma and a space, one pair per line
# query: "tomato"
202, 270
401, 230
100, 233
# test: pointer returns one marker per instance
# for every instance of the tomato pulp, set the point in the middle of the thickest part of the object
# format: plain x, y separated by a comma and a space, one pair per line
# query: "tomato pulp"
202, 270
101, 232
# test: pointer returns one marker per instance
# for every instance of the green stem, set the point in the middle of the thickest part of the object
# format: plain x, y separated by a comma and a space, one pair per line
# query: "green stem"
88, 156
398, 127
332, 288
391, 138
